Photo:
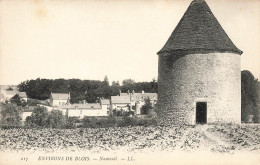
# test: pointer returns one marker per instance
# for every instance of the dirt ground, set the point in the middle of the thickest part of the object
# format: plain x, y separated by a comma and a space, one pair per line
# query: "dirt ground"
215, 138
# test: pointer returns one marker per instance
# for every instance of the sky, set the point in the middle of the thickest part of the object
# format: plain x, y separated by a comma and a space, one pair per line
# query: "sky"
118, 38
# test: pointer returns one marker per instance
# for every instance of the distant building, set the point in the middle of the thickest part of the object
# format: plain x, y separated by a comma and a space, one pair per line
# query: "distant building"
59, 99
82, 110
106, 103
23, 96
120, 103
138, 99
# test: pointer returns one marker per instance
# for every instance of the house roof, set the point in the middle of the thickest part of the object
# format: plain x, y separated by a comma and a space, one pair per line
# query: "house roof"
29, 108
60, 96
105, 101
140, 96
10, 93
22, 94
82, 106
198, 32
124, 94
120, 100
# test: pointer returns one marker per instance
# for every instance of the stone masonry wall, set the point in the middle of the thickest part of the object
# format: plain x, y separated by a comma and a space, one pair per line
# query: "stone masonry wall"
214, 78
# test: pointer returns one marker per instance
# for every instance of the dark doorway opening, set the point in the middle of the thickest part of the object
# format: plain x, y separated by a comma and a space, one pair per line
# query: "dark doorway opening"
201, 112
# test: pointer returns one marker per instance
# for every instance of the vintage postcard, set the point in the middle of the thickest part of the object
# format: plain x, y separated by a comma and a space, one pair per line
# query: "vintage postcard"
130, 82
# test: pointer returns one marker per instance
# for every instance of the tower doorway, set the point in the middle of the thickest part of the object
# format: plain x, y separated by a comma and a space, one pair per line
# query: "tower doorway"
201, 112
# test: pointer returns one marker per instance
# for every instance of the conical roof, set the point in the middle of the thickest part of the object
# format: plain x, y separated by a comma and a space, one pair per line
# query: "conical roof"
199, 32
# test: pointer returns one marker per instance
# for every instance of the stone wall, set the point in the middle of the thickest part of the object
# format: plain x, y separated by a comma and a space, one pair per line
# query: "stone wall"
214, 78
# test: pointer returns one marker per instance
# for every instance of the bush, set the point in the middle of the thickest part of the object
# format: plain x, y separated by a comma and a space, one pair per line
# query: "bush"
249, 97
111, 121
71, 123
146, 107
56, 119
89, 122
42, 118
11, 115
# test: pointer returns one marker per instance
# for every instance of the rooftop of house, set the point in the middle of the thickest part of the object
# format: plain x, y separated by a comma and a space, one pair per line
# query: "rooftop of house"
120, 100
22, 94
139, 96
82, 106
198, 32
60, 96
105, 101
29, 108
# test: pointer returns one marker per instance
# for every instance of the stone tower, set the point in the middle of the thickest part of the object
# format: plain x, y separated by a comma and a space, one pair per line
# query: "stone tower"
199, 71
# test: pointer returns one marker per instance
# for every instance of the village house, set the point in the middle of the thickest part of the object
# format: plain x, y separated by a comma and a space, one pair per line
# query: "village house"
81, 110
138, 99
120, 103
106, 103
23, 96
59, 99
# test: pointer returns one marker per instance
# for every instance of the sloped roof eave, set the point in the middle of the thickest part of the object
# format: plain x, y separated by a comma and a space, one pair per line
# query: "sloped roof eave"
198, 51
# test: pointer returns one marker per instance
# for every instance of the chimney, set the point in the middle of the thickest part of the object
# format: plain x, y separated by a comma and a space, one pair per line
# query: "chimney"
142, 91
133, 92
84, 101
128, 92
119, 92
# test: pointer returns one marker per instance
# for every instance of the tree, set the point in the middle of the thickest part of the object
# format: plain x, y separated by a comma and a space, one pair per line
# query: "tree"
40, 116
115, 84
146, 107
18, 101
29, 122
56, 119
128, 82
249, 96
11, 115
41, 89
106, 82
256, 118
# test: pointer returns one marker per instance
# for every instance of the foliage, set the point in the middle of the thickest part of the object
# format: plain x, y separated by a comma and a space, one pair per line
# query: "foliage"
18, 101
249, 96
89, 90
11, 115
146, 107
112, 121
71, 123
40, 116
56, 119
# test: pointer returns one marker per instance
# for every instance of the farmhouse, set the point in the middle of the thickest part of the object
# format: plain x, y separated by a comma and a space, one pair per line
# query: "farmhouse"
199, 77
58, 99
